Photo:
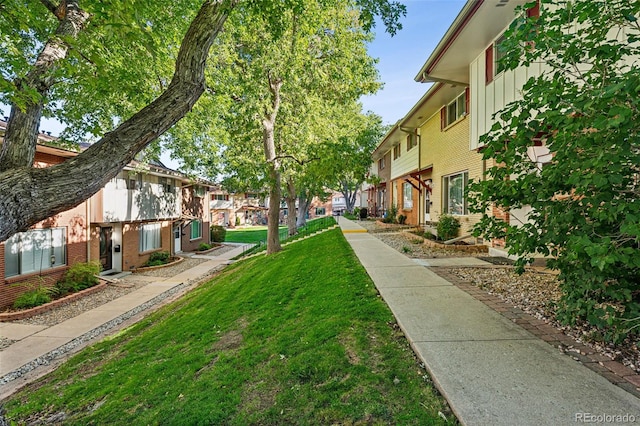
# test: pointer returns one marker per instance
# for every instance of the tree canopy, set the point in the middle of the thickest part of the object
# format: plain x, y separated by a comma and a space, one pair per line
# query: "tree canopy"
123, 72
584, 196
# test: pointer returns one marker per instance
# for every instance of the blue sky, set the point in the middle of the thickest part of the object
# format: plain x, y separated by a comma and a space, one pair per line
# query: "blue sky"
402, 56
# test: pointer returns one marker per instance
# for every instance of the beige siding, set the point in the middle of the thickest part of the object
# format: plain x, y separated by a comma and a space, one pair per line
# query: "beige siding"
406, 163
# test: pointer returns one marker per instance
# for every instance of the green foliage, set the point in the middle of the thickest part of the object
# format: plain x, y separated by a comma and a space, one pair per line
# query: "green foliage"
158, 258
406, 249
448, 227
363, 213
585, 109
218, 233
402, 219
204, 247
32, 298
79, 276
392, 214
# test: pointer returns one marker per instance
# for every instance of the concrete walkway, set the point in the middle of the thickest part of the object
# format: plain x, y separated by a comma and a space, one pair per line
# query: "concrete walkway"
490, 370
36, 346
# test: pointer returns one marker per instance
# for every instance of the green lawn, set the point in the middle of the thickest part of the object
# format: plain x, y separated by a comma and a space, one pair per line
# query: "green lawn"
247, 235
299, 337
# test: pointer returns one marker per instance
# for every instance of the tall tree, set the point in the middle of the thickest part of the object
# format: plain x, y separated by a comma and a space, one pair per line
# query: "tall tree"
92, 63
318, 54
349, 154
28, 194
584, 108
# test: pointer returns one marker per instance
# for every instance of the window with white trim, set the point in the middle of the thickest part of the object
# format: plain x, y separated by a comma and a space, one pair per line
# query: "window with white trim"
454, 200
407, 196
196, 229
456, 109
34, 251
150, 237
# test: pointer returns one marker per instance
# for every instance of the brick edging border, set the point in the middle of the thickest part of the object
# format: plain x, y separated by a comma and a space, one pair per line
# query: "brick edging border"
28, 313
614, 371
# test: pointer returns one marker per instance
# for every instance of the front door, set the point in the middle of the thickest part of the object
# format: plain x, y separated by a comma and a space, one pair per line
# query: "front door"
427, 206
106, 248
177, 237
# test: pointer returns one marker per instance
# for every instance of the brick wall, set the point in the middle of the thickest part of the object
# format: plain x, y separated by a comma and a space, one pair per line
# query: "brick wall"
131, 256
197, 207
74, 221
449, 153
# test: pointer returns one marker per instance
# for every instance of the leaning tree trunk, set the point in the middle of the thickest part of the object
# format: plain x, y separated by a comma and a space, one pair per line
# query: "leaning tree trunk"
273, 168
303, 207
291, 207
29, 195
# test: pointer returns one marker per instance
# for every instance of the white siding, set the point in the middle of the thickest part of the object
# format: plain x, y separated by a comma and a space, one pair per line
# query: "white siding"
146, 203
491, 98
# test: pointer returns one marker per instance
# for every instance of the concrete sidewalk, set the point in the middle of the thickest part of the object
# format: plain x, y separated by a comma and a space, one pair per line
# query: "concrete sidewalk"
490, 370
37, 346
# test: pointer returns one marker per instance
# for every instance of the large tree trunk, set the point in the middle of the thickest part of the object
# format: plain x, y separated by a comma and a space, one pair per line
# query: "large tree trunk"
303, 206
29, 195
291, 207
273, 168
349, 196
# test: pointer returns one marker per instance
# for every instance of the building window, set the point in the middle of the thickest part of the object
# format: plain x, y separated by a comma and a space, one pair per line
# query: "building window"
498, 53
453, 190
196, 229
150, 237
381, 163
407, 196
456, 109
396, 152
220, 197
34, 251
166, 184
198, 191
412, 140
321, 211
134, 181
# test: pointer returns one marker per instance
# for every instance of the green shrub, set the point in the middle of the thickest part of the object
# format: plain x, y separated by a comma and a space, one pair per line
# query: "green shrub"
237, 222
158, 258
448, 227
204, 247
32, 298
393, 213
218, 233
402, 219
363, 213
79, 276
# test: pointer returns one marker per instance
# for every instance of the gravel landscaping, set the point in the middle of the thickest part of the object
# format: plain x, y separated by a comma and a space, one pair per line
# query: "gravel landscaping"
535, 292
119, 288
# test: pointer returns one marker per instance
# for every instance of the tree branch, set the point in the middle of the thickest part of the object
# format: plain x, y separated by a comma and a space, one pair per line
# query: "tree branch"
50, 6
29, 195
19, 147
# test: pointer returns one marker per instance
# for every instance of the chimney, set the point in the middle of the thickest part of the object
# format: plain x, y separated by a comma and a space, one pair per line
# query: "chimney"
48, 133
